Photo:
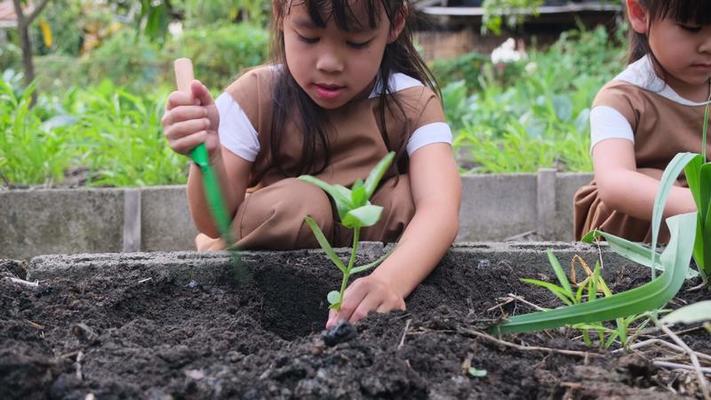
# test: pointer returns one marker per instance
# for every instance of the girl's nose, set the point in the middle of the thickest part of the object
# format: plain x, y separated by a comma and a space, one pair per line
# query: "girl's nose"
329, 62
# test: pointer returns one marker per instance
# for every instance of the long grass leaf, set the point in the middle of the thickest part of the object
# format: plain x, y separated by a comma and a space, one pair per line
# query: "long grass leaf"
669, 177
633, 251
697, 312
558, 291
653, 295
559, 272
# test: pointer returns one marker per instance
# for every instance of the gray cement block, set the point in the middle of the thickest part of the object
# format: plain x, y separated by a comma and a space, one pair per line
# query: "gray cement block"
166, 223
211, 267
495, 207
34, 222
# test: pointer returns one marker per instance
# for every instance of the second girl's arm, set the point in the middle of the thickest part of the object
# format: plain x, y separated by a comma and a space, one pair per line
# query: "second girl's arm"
624, 188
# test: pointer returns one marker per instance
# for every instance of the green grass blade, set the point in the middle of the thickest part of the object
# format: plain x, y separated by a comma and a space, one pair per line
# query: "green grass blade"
633, 251
697, 312
653, 295
559, 272
671, 172
371, 183
558, 291
692, 171
321, 238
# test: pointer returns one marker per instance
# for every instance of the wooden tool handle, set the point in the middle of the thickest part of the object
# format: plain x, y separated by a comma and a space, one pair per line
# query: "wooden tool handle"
184, 74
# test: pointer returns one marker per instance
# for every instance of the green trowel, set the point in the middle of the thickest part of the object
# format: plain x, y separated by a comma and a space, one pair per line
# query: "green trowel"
184, 76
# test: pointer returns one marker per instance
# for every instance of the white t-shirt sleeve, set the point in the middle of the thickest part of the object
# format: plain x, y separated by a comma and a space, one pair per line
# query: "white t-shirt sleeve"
608, 123
236, 131
436, 132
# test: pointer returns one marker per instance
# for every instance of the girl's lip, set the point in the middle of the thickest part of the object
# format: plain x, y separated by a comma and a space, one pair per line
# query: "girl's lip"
328, 92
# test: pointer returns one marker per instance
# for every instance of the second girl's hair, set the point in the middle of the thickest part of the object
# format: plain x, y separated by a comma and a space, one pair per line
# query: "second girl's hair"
696, 12
289, 97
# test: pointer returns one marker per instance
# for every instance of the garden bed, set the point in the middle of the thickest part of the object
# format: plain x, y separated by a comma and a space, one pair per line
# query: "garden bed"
178, 325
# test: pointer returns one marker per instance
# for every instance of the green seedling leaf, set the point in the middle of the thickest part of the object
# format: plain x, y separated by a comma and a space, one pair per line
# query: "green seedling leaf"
371, 183
633, 251
697, 312
558, 291
362, 216
651, 296
371, 265
560, 273
359, 195
323, 242
340, 194
334, 298
477, 373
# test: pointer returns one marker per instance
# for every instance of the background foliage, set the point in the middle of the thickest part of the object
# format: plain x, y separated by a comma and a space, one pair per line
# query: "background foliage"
103, 78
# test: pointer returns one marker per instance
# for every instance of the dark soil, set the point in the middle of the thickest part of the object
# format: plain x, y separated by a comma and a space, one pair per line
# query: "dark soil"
122, 335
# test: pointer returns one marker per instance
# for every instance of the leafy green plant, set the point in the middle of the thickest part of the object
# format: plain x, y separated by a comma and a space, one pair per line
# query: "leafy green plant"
30, 150
587, 290
355, 212
536, 114
650, 296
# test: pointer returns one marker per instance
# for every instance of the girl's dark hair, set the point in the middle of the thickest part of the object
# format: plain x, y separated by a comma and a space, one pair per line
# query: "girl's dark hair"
289, 97
695, 12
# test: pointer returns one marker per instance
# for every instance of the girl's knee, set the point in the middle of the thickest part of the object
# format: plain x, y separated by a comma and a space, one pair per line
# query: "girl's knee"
273, 217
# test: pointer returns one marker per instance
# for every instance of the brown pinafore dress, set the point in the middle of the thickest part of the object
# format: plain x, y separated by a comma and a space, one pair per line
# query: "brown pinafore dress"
662, 128
272, 213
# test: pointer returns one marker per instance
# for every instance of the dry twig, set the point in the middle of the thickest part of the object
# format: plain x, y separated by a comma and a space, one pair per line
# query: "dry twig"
692, 356
488, 337
404, 334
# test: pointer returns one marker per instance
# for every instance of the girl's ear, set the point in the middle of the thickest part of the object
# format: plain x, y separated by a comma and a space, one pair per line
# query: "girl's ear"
638, 16
398, 23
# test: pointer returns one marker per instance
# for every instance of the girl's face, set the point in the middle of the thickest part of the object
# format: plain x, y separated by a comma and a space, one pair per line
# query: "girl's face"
684, 50
331, 65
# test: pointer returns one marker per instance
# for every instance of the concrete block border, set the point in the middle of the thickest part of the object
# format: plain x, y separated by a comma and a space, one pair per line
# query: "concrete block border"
70, 221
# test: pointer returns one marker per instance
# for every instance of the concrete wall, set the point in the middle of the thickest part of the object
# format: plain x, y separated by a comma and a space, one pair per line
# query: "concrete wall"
36, 222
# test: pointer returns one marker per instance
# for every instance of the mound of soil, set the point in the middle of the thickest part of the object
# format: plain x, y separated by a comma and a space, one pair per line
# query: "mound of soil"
134, 329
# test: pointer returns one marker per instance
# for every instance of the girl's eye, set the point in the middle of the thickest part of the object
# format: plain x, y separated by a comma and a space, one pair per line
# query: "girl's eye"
359, 45
690, 28
307, 39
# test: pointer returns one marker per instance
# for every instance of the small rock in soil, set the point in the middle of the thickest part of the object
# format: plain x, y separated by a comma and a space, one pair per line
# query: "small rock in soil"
192, 285
340, 333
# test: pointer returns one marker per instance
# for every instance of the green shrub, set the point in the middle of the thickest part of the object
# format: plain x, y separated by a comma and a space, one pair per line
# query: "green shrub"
221, 53
535, 113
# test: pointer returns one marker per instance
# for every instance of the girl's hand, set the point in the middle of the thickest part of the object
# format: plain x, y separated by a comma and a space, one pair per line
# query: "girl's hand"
363, 296
191, 119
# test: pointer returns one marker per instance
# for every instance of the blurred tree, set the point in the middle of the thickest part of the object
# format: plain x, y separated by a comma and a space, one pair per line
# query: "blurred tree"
23, 28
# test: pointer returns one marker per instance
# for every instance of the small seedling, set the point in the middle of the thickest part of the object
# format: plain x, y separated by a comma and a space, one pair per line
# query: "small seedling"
355, 212
571, 292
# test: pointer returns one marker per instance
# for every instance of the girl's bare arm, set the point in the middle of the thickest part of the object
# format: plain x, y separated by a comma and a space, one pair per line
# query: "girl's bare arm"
436, 190
625, 188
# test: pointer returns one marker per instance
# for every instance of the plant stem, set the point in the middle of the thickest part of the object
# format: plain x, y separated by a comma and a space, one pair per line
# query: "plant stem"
351, 262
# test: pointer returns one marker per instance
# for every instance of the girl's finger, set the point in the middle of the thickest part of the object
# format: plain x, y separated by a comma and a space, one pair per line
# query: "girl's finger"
176, 99
179, 130
183, 113
392, 304
370, 303
352, 297
186, 144
201, 93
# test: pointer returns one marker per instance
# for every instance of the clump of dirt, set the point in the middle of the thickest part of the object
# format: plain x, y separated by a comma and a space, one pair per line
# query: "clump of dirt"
136, 333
